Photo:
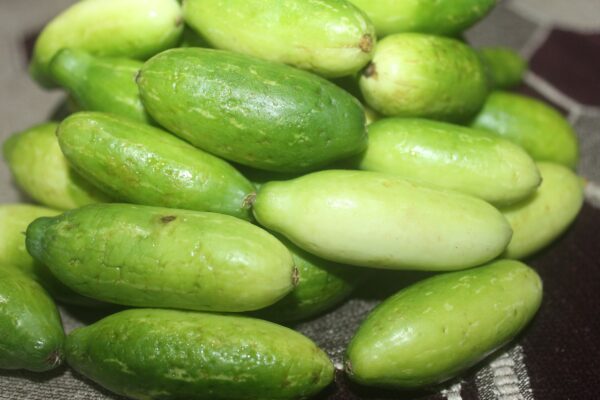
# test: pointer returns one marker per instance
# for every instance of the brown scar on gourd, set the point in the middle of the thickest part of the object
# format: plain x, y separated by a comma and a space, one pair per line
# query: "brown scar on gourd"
168, 218
178, 21
370, 71
54, 358
295, 276
348, 367
366, 43
249, 200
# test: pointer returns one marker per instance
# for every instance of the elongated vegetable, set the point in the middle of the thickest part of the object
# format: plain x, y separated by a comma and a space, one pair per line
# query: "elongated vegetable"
100, 83
437, 328
41, 170
171, 354
331, 38
32, 335
540, 219
378, 220
258, 113
541, 130
451, 157
114, 28
161, 257
141, 164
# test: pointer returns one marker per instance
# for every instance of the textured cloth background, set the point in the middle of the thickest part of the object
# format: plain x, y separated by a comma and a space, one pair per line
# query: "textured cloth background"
557, 356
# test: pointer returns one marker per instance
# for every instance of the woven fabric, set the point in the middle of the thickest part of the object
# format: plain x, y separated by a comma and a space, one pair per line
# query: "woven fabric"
555, 358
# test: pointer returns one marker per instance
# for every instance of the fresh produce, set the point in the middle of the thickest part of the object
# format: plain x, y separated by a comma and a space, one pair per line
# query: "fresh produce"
100, 83
14, 219
541, 130
202, 182
167, 354
439, 327
141, 164
378, 220
451, 157
540, 219
159, 257
40, 169
403, 81
31, 333
331, 38
440, 17
505, 66
257, 113
321, 285
112, 28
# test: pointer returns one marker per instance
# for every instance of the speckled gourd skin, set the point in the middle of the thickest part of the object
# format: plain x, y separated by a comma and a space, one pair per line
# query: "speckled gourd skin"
321, 285
425, 76
439, 327
257, 113
31, 333
538, 220
332, 38
40, 169
113, 28
164, 354
532, 124
142, 164
100, 83
451, 157
440, 17
159, 257
379, 220
14, 219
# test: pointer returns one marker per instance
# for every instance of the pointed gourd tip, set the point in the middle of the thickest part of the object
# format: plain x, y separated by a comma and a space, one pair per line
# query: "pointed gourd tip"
370, 70
55, 358
34, 236
348, 367
295, 276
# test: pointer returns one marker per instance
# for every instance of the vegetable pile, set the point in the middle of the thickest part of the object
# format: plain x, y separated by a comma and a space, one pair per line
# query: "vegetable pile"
232, 165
